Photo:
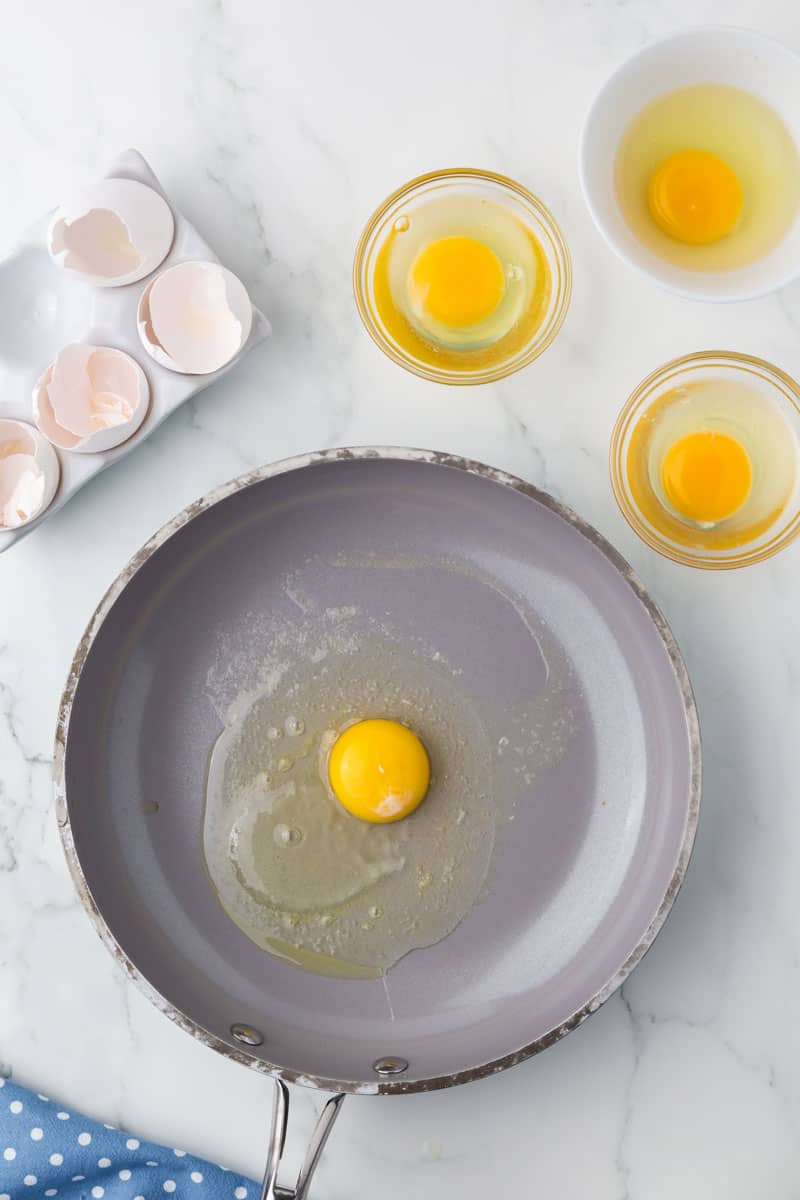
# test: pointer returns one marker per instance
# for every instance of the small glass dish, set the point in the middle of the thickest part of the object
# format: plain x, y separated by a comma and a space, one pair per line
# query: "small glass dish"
530, 211
695, 546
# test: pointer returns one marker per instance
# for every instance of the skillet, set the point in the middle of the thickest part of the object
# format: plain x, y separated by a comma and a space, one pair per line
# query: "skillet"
601, 843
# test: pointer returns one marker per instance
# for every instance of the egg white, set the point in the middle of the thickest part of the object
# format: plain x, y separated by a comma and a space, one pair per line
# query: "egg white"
305, 879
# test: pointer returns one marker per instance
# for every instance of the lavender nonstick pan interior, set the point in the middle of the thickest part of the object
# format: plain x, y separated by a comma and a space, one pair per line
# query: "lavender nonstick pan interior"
599, 847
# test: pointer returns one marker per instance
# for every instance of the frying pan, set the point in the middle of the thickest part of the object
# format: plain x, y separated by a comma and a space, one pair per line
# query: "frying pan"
601, 841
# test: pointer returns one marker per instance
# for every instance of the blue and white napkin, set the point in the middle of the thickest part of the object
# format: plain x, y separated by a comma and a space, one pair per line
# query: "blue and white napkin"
47, 1150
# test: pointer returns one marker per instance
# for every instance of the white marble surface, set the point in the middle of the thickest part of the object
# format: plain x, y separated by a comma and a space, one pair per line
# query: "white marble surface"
277, 128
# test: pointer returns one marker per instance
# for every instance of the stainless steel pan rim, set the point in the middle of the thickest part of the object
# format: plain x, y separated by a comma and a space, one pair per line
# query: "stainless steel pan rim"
384, 1086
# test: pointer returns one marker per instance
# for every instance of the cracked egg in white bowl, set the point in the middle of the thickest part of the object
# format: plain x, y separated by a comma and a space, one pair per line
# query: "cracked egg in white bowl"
690, 163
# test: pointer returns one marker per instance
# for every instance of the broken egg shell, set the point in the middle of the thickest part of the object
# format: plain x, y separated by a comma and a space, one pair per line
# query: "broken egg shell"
114, 232
195, 317
91, 398
29, 473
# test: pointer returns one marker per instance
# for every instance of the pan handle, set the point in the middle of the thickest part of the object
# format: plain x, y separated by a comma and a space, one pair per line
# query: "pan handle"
270, 1189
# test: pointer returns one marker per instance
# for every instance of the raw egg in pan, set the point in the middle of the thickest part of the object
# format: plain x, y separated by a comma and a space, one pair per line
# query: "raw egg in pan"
355, 798
308, 857
379, 770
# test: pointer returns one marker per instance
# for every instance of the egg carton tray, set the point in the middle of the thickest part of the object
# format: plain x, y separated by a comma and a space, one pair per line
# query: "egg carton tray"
43, 309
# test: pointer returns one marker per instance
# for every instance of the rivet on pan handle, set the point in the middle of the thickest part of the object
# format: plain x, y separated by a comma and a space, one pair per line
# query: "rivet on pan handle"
270, 1189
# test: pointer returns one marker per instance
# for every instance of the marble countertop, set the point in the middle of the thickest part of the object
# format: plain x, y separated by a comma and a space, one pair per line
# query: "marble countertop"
276, 128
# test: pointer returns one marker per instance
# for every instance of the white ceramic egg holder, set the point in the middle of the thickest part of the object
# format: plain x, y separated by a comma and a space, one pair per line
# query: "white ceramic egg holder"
43, 308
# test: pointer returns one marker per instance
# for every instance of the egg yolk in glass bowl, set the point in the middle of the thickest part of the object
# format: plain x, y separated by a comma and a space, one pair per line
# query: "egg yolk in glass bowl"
461, 283
712, 463
456, 282
707, 476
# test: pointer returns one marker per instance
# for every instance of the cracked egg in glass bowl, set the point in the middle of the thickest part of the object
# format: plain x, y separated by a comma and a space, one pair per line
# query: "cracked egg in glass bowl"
462, 276
705, 460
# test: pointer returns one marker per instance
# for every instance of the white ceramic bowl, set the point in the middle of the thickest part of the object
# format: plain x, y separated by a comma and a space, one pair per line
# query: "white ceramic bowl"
736, 57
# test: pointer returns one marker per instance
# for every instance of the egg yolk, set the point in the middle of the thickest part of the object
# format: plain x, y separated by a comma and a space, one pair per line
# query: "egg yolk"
456, 281
706, 476
695, 197
379, 771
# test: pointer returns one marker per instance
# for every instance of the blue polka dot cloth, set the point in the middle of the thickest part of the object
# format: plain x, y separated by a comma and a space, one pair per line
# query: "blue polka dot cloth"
46, 1150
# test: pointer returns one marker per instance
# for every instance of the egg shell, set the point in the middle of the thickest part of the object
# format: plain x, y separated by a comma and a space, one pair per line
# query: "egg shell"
29, 473
91, 398
46, 308
195, 317
113, 233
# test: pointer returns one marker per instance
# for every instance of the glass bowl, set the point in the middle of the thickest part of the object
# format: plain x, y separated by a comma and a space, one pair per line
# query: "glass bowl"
682, 546
526, 207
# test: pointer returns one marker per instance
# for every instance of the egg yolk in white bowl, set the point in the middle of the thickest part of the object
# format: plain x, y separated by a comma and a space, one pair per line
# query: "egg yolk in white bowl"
707, 177
695, 197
